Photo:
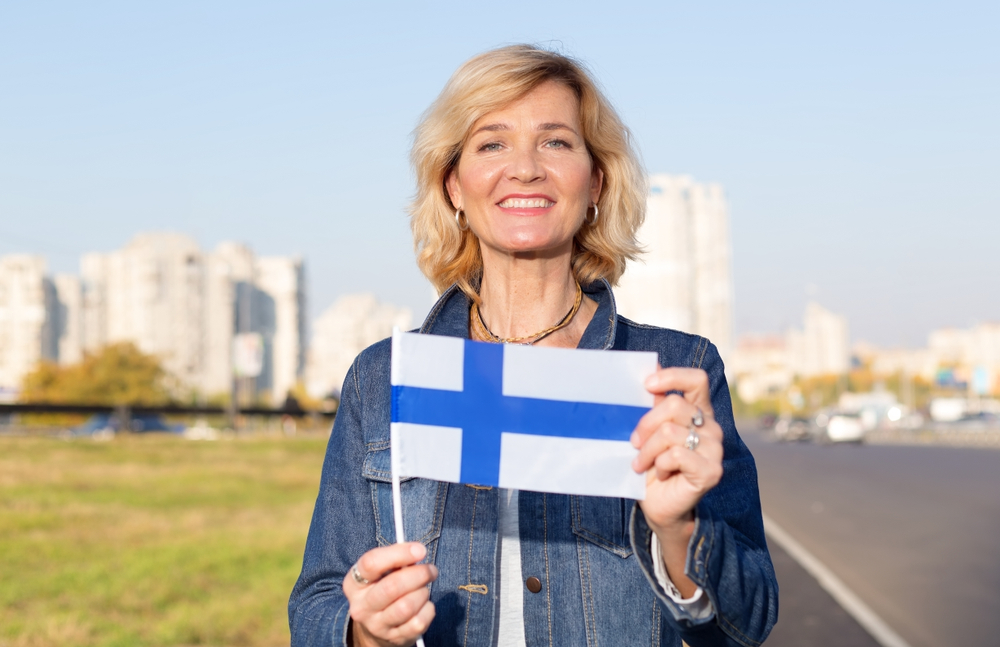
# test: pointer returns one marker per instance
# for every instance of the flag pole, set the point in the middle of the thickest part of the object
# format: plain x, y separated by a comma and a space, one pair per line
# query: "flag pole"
397, 496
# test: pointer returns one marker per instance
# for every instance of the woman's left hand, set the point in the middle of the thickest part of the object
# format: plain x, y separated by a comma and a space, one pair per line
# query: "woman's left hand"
677, 477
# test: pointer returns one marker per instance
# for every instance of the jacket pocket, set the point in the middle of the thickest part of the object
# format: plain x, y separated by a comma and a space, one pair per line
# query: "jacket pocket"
423, 501
602, 521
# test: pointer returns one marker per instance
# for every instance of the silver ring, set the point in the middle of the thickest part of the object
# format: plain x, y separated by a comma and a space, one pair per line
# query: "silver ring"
693, 439
698, 419
358, 577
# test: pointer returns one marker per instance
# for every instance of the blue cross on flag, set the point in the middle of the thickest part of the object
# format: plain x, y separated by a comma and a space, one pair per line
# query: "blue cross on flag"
543, 419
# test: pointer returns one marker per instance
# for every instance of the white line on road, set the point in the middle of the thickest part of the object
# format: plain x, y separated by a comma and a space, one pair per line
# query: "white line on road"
844, 596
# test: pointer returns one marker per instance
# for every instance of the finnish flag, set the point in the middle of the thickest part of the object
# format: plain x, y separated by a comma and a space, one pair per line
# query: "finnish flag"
543, 419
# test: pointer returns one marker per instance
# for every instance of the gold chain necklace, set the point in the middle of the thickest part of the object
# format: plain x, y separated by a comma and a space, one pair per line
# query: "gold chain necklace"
477, 318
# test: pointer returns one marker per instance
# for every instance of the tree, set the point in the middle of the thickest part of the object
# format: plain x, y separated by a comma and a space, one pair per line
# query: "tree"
118, 374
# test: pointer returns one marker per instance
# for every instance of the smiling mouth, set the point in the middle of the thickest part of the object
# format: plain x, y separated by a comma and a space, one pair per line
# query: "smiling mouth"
525, 203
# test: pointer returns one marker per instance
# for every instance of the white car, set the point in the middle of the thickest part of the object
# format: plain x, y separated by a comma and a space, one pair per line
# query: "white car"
845, 428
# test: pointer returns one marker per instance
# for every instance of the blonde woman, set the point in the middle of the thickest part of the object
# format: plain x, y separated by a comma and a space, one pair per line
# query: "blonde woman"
529, 195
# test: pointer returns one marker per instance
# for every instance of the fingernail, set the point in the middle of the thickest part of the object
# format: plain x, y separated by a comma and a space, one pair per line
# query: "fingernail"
634, 439
418, 550
635, 464
434, 571
650, 382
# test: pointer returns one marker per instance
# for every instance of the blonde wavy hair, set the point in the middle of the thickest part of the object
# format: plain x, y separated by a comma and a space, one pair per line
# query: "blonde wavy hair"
491, 81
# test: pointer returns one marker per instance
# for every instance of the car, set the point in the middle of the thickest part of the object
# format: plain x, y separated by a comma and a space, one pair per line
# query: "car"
842, 427
105, 425
982, 421
793, 428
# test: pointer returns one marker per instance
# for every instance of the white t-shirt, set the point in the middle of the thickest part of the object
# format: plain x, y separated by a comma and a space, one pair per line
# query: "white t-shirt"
511, 632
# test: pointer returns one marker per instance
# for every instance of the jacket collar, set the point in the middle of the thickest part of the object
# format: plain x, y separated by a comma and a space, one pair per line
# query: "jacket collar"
450, 316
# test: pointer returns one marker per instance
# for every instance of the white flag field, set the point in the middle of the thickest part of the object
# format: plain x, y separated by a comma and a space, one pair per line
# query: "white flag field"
543, 419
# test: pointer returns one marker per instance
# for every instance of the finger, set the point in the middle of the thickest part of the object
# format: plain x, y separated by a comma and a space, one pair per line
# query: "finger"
673, 408
405, 607
701, 472
378, 561
692, 382
667, 435
415, 626
670, 435
398, 585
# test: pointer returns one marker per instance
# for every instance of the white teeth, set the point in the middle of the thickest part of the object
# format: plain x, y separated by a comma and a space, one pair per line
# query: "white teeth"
526, 203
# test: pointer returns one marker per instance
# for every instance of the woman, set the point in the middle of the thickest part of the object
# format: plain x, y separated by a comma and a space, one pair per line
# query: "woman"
529, 197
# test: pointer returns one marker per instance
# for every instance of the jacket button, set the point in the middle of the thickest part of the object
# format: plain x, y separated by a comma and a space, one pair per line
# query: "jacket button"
534, 584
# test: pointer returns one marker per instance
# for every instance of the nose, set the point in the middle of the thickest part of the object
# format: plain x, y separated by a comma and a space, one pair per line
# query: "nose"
525, 165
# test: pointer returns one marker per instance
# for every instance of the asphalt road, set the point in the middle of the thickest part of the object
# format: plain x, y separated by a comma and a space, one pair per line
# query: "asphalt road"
913, 531
808, 616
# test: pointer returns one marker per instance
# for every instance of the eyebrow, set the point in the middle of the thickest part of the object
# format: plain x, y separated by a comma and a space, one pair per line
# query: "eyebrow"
552, 125
556, 125
492, 128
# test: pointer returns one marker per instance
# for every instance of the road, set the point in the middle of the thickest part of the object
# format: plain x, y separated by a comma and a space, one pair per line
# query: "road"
913, 531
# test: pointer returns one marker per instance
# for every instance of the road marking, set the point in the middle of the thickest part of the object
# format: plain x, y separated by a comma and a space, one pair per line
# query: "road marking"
845, 597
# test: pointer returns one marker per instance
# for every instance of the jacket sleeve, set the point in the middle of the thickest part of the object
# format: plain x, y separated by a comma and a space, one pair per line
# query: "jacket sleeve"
727, 555
342, 529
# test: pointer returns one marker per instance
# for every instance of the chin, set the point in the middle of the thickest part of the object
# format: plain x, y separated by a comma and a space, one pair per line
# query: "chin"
535, 242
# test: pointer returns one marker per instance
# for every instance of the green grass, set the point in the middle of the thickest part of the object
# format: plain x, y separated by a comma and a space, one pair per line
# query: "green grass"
152, 541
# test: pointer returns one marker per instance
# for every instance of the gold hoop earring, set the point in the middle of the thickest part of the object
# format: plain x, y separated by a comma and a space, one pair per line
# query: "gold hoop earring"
458, 220
593, 221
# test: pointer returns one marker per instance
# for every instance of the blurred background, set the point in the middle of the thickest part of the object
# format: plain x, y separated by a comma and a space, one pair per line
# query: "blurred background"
203, 220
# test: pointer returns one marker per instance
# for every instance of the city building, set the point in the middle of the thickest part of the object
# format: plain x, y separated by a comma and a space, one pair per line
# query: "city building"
229, 271
768, 364
163, 293
26, 333
41, 318
281, 283
963, 362
822, 347
684, 279
968, 356
912, 362
761, 366
347, 327
191, 309
66, 317
150, 293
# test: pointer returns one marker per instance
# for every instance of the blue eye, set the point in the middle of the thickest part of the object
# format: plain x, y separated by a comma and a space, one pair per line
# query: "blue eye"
491, 147
557, 143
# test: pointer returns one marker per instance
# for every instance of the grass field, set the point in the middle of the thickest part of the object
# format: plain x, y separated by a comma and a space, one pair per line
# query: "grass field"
153, 541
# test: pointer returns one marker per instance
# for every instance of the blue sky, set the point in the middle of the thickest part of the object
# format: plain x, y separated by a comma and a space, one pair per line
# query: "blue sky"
858, 142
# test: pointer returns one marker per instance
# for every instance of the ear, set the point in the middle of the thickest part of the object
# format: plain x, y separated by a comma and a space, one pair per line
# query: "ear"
596, 183
454, 188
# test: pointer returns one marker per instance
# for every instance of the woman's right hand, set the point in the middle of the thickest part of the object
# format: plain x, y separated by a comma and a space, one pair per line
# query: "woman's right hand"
394, 608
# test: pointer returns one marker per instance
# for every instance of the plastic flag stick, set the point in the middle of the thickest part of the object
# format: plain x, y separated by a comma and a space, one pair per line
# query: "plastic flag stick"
397, 498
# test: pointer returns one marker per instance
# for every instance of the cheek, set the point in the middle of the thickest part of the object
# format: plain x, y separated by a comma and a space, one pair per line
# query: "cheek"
477, 181
577, 179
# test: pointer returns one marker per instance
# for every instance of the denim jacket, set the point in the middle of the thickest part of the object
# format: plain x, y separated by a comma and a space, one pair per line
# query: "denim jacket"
591, 554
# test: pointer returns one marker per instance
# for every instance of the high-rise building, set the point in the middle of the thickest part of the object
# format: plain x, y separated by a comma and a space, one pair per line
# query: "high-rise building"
684, 280
822, 347
229, 270
172, 300
67, 318
768, 364
26, 332
346, 328
151, 293
281, 283
971, 355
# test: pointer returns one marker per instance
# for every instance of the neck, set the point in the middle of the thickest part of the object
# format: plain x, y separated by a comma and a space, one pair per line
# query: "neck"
522, 297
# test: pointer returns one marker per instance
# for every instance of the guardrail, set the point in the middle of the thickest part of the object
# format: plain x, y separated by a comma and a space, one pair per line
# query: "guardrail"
941, 435
168, 410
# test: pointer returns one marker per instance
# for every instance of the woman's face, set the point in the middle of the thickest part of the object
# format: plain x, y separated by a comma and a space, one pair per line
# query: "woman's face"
525, 179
